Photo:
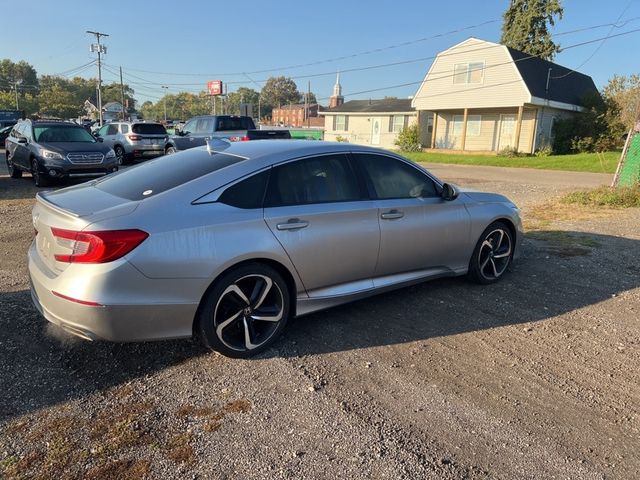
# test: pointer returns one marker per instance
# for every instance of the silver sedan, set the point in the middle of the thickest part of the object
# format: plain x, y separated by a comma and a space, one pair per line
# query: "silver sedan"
227, 242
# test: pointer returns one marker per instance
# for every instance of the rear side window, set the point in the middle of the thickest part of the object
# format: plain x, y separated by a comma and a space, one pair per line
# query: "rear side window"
164, 173
148, 129
249, 193
124, 128
391, 178
323, 179
112, 129
234, 123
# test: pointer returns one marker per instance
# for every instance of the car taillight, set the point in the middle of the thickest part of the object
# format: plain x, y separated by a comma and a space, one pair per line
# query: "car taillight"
238, 138
97, 247
133, 137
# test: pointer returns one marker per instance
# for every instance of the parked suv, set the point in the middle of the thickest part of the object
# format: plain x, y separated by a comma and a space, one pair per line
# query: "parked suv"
134, 139
198, 130
52, 150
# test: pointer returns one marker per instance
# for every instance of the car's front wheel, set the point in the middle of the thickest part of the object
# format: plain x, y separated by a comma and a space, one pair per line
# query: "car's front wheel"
120, 155
170, 151
492, 255
40, 179
14, 172
245, 311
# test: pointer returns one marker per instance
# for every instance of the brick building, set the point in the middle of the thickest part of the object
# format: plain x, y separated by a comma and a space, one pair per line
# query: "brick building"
294, 116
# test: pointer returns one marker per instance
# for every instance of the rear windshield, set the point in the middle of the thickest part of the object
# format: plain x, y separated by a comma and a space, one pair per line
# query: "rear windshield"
59, 133
164, 173
235, 123
148, 129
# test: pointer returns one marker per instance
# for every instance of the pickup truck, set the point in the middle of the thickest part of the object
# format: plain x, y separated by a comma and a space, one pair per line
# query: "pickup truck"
198, 130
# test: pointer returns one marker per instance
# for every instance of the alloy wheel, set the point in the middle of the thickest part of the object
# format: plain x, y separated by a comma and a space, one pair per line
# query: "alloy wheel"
248, 312
494, 254
119, 151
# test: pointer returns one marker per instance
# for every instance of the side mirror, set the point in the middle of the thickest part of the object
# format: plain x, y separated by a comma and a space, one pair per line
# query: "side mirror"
22, 139
449, 192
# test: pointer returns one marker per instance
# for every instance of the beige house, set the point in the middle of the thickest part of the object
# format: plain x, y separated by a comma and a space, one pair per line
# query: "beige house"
368, 122
483, 96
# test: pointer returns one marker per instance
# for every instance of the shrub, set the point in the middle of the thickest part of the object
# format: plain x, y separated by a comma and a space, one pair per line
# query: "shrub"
340, 138
510, 152
620, 197
544, 152
408, 139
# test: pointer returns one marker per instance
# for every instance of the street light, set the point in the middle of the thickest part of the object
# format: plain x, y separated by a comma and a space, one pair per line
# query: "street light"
165, 102
15, 87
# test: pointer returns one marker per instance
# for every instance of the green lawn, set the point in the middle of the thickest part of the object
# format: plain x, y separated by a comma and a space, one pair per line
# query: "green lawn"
580, 162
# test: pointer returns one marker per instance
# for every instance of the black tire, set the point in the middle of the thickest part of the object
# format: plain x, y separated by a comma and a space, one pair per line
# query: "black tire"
493, 254
232, 319
170, 151
40, 179
121, 157
14, 172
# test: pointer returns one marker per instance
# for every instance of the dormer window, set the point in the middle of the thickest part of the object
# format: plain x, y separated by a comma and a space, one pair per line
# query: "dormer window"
468, 73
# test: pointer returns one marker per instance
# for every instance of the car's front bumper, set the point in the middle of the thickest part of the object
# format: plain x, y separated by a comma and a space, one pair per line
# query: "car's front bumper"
130, 307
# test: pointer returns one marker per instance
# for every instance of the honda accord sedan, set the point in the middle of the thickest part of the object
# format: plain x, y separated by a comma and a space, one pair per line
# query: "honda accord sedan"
227, 242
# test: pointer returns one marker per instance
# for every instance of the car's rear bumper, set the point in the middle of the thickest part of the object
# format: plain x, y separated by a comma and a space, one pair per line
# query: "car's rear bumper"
143, 315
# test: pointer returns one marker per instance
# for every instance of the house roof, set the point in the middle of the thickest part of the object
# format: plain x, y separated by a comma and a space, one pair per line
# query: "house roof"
565, 85
385, 105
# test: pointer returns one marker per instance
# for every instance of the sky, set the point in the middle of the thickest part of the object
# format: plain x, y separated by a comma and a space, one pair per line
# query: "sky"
182, 44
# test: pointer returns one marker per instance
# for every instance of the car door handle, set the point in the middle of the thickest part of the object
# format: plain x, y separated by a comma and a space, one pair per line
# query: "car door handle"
292, 224
392, 215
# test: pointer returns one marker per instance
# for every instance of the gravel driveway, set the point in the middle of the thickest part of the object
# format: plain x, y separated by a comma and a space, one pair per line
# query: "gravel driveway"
534, 377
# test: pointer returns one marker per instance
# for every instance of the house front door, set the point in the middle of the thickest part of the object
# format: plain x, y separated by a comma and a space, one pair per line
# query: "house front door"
375, 130
507, 131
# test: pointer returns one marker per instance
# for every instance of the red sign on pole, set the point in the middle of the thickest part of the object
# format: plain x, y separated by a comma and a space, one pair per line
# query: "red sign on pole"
214, 87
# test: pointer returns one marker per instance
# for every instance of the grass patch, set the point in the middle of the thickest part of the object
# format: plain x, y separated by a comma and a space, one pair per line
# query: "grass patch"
542, 217
122, 470
565, 244
620, 197
579, 162
179, 448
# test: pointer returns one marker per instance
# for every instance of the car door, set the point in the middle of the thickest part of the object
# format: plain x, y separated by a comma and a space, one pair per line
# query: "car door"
23, 149
316, 208
418, 229
16, 150
111, 134
187, 139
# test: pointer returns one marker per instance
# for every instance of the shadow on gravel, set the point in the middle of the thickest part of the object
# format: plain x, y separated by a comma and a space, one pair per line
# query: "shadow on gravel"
559, 272
17, 188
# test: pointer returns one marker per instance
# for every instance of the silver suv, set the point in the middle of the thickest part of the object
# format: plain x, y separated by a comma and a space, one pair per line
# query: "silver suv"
132, 140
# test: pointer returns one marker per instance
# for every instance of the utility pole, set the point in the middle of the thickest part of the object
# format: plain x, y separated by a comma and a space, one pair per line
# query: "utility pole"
308, 104
122, 94
99, 49
164, 98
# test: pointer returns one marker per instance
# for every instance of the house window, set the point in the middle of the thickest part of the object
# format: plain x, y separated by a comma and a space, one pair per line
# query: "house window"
397, 123
464, 73
341, 123
473, 125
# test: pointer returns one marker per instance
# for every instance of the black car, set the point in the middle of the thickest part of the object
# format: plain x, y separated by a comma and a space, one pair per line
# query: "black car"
4, 133
53, 150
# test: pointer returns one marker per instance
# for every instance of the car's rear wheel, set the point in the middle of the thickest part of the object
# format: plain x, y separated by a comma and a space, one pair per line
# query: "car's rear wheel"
492, 255
120, 155
14, 172
40, 179
245, 311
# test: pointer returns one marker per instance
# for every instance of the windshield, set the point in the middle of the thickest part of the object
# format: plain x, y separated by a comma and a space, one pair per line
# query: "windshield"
60, 133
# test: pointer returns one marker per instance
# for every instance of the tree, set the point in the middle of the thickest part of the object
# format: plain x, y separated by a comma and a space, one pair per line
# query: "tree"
242, 95
278, 91
21, 72
624, 93
526, 26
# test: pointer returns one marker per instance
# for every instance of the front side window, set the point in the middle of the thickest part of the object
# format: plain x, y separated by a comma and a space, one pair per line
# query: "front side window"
464, 73
112, 129
102, 131
391, 178
329, 178
190, 126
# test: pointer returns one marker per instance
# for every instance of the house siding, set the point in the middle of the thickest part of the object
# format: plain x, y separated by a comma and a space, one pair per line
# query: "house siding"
501, 86
546, 118
489, 137
359, 128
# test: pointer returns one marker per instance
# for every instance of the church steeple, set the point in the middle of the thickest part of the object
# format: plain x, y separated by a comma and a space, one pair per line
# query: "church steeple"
336, 99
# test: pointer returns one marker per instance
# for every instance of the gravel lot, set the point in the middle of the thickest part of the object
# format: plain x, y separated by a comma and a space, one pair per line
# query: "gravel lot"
535, 377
